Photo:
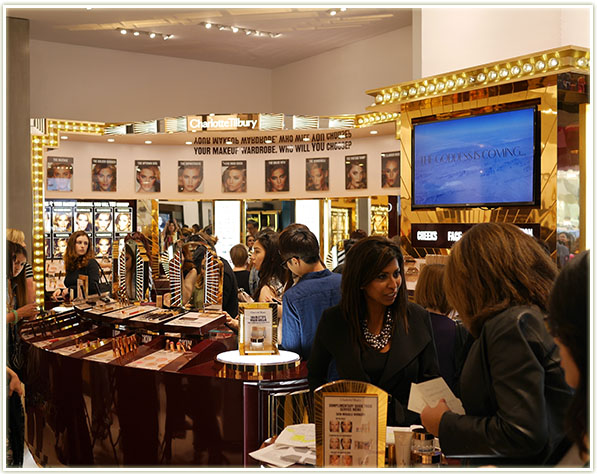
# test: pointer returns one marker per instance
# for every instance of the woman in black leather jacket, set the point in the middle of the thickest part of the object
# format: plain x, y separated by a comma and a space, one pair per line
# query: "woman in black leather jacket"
512, 386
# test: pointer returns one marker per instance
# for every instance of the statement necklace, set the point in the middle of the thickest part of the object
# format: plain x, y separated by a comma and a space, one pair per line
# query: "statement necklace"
378, 341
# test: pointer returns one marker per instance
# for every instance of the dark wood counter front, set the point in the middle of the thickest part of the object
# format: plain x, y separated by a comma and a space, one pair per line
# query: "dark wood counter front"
82, 412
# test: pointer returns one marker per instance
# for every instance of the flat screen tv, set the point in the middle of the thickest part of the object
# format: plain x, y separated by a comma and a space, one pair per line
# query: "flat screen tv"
482, 160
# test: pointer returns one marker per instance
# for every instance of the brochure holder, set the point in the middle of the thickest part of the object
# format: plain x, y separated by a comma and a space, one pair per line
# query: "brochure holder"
350, 424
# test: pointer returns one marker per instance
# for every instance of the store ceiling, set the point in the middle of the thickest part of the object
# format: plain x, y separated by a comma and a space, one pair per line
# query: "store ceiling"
305, 32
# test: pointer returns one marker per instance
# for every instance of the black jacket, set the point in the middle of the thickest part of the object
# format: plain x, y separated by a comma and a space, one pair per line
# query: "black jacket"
92, 270
411, 358
514, 393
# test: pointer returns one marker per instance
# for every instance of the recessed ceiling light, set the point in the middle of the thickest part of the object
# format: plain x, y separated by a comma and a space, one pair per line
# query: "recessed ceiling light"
234, 29
373, 132
188, 143
208, 25
333, 12
152, 35
343, 9
148, 142
123, 32
111, 140
136, 33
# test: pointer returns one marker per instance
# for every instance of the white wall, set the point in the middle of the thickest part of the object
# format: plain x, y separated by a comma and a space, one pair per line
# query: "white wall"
335, 82
83, 152
190, 211
104, 85
463, 37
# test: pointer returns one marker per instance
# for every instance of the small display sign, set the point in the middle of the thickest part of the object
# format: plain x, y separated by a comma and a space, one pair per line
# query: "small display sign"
258, 328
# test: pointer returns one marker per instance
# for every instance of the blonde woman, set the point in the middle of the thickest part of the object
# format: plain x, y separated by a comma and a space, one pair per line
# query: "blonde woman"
18, 237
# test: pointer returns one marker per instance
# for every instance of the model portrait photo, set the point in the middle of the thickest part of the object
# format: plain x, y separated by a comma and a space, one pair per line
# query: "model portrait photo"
103, 246
83, 221
103, 221
123, 222
234, 176
62, 221
103, 174
59, 174
190, 176
317, 174
356, 171
147, 176
276, 176
390, 169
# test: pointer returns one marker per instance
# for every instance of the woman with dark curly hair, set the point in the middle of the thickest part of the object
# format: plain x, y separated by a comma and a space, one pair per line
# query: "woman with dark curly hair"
568, 321
512, 386
79, 260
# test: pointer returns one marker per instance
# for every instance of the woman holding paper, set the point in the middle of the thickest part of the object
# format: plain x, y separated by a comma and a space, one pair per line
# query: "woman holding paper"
375, 335
512, 386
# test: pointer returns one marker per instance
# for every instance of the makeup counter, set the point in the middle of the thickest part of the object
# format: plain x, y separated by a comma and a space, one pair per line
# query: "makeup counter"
115, 384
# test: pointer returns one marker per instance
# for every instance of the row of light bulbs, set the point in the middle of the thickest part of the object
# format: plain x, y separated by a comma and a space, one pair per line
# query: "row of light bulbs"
151, 34
371, 119
464, 80
237, 29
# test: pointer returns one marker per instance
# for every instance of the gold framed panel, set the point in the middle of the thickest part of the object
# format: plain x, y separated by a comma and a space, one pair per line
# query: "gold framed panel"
354, 390
544, 90
258, 328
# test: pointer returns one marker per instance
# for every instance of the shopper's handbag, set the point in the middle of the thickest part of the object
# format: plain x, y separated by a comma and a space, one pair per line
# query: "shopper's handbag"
104, 286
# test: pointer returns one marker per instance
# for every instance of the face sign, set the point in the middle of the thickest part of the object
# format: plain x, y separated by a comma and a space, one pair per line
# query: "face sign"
334, 425
258, 255
334, 443
147, 179
123, 222
355, 175
235, 181
383, 289
81, 245
103, 221
103, 247
391, 172
191, 178
346, 426
317, 177
62, 172
18, 263
277, 179
105, 178
62, 222
61, 246
82, 221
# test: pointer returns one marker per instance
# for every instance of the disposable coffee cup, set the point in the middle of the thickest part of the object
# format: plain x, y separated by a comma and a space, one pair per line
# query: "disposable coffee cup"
403, 440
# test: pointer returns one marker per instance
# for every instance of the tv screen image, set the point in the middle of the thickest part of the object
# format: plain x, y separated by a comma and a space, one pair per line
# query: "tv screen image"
480, 160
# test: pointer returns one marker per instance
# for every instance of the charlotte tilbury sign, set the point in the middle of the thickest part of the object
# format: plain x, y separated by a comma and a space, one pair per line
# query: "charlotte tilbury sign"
220, 122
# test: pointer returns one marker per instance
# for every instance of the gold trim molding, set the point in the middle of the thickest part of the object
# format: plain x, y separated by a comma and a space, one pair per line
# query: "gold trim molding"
544, 63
